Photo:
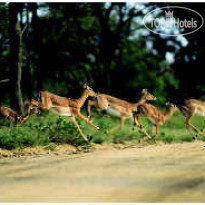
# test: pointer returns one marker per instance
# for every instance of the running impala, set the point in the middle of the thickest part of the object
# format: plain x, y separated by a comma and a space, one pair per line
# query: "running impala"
117, 107
190, 108
65, 106
156, 116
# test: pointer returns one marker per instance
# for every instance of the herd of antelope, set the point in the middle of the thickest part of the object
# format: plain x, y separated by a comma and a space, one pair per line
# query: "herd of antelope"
112, 105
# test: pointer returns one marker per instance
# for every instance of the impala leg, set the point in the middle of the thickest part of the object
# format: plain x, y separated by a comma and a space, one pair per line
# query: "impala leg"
134, 123
29, 109
188, 124
190, 127
122, 122
78, 127
153, 128
138, 123
11, 124
78, 114
157, 126
90, 105
24, 119
191, 132
11, 121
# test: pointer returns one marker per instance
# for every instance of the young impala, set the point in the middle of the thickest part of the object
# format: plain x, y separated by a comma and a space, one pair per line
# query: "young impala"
65, 106
156, 116
190, 108
9, 114
118, 107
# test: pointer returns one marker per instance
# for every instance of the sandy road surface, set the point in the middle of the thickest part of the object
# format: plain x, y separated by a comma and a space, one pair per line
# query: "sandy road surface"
155, 173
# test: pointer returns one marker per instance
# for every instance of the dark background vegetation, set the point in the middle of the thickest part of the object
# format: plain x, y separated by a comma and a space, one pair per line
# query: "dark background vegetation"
58, 46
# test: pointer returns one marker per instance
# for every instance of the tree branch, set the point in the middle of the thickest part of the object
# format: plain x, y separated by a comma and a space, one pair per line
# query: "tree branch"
5, 80
23, 30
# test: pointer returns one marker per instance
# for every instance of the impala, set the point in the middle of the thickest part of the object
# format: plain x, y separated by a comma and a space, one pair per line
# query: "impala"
190, 108
156, 116
118, 107
65, 106
9, 114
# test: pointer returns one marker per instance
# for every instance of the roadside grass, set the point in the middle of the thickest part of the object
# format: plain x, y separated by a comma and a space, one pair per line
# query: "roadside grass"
50, 130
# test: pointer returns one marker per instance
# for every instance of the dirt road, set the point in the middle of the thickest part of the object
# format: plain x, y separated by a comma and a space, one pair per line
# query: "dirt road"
155, 173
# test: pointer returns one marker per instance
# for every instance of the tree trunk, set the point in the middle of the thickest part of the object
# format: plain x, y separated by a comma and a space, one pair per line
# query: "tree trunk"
37, 44
27, 73
15, 58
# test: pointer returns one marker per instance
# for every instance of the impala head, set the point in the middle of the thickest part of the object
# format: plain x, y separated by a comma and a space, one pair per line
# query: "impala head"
172, 107
89, 91
147, 96
34, 107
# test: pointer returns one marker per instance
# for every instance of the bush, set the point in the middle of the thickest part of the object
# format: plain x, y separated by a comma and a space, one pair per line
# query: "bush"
50, 130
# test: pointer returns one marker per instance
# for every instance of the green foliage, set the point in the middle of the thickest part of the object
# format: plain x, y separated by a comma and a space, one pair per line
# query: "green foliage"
50, 130
11, 138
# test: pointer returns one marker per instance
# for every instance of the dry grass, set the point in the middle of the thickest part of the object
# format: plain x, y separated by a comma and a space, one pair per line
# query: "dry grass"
65, 149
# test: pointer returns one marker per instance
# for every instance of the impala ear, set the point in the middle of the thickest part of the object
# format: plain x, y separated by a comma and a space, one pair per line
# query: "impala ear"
85, 85
168, 103
144, 91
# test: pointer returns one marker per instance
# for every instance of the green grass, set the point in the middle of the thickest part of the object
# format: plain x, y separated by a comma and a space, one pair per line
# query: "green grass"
50, 129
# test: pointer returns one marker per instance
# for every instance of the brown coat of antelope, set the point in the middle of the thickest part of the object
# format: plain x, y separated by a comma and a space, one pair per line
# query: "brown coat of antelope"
156, 116
65, 106
9, 114
190, 108
118, 107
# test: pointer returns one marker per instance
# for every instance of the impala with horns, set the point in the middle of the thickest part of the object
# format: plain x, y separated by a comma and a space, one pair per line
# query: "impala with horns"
117, 107
65, 106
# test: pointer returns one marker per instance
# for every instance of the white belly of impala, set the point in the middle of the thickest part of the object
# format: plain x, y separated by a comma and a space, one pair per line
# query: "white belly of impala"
63, 111
113, 111
199, 112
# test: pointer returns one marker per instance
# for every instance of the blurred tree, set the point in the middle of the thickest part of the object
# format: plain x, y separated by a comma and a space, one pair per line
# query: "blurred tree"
16, 34
106, 44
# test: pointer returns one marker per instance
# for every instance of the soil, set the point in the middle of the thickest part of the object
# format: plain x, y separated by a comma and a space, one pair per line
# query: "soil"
153, 173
